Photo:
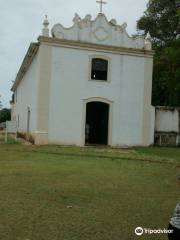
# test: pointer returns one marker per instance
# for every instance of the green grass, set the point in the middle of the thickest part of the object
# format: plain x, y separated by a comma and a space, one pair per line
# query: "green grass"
111, 192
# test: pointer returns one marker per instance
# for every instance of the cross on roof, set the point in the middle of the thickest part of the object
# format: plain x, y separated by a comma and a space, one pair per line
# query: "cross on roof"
101, 2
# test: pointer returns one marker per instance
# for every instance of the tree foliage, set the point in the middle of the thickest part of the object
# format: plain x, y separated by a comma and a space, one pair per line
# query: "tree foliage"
166, 79
162, 21
0, 103
5, 115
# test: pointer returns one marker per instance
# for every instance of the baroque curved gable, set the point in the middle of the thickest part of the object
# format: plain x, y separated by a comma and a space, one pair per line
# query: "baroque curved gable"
100, 31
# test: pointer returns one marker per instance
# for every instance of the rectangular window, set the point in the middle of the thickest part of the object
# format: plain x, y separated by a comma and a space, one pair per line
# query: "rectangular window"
99, 69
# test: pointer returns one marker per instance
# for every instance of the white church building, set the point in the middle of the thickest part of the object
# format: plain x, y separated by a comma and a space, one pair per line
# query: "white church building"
87, 84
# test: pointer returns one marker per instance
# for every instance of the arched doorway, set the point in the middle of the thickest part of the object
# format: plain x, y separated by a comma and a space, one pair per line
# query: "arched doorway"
97, 121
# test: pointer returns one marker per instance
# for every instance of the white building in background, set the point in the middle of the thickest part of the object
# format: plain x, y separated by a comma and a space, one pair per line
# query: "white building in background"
167, 126
87, 84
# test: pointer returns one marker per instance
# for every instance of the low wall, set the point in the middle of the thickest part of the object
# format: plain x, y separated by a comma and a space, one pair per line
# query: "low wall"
167, 126
2, 126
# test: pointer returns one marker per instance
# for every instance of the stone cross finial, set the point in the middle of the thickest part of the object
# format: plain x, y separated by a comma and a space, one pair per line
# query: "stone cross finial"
45, 30
101, 2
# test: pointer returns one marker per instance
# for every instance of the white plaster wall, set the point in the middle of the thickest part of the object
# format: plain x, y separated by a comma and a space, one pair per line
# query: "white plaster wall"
99, 31
27, 97
13, 112
69, 86
130, 101
167, 120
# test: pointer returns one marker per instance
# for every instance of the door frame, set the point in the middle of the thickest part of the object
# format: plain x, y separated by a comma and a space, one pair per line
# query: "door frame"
110, 117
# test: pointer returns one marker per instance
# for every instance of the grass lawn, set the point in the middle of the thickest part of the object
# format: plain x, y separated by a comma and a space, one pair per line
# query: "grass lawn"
69, 193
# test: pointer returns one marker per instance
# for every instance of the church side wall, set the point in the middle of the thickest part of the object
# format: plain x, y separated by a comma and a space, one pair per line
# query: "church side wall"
26, 97
43, 93
70, 87
148, 114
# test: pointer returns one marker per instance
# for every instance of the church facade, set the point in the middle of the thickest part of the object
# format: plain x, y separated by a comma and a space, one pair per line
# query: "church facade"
87, 84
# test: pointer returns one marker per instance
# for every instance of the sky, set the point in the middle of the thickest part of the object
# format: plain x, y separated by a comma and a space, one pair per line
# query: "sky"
21, 24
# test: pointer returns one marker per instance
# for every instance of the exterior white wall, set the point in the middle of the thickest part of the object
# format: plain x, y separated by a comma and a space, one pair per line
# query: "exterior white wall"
167, 120
26, 96
13, 112
70, 87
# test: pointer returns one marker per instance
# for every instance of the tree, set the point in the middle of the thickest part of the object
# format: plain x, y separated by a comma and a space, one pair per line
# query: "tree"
0, 103
5, 115
162, 21
166, 79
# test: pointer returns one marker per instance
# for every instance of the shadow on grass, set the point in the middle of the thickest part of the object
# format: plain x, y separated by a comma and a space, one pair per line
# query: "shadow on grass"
95, 156
66, 151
